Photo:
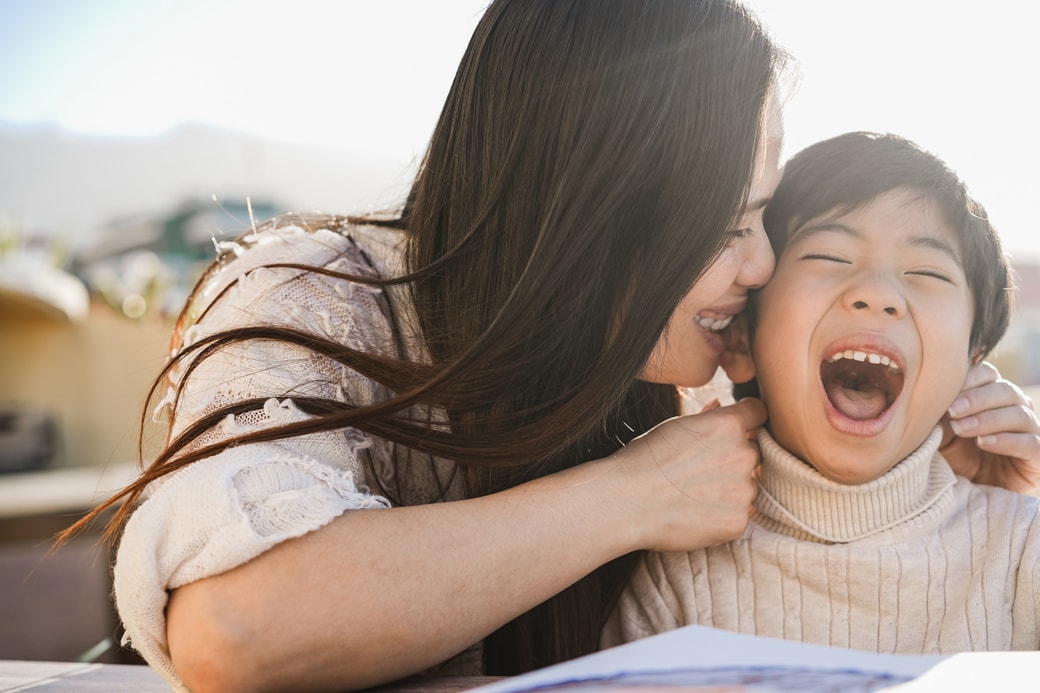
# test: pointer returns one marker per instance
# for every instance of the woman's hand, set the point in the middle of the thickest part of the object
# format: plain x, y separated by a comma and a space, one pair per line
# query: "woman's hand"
693, 477
991, 433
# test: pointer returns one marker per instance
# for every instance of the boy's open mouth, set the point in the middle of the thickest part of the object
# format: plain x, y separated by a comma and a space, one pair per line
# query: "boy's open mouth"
861, 385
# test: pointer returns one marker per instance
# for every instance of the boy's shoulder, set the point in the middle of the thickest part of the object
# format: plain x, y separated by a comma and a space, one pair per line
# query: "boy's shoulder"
980, 496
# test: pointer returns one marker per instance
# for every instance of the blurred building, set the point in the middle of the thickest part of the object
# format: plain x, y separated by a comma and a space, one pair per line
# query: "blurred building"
144, 263
1018, 354
81, 341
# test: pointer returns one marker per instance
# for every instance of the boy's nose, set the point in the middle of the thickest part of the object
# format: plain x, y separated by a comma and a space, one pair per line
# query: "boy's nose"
878, 294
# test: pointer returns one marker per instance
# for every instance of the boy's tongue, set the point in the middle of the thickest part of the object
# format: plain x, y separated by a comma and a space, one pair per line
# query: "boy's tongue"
858, 393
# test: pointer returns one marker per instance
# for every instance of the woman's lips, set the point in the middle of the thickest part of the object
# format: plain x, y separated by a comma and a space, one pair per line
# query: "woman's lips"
714, 329
713, 324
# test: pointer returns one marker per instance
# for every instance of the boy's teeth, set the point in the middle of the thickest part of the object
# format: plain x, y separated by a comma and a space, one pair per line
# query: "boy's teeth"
713, 325
863, 356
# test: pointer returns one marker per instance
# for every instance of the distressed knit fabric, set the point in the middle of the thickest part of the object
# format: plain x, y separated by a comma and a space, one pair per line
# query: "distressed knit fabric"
917, 561
222, 511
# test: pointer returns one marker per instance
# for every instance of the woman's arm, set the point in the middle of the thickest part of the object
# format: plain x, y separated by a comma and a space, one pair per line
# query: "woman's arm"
380, 594
992, 433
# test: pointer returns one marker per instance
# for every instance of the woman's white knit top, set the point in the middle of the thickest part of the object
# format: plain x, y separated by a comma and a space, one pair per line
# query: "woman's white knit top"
222, 511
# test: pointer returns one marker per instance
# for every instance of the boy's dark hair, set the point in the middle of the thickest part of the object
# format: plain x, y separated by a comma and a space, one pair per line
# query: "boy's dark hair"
841, 174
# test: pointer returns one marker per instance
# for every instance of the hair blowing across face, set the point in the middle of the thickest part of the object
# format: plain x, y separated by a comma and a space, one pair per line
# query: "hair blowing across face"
589, 158
586, 164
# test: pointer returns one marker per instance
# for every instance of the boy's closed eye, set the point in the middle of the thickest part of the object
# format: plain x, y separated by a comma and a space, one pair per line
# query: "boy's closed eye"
935, 274
822, 256
941, 275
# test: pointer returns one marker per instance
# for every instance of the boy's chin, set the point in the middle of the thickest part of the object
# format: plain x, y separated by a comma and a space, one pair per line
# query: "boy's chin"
845, 460
850, 477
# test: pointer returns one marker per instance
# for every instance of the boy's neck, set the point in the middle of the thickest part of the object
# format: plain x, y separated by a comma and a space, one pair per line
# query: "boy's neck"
796, 499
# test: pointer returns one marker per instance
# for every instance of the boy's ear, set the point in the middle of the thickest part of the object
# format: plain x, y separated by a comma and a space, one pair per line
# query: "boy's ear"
736, 360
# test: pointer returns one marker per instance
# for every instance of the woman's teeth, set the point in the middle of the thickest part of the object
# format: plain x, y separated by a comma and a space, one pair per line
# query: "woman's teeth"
713, 325
863, 356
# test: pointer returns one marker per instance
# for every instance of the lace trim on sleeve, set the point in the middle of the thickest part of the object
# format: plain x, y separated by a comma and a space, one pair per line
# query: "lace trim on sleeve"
216, 515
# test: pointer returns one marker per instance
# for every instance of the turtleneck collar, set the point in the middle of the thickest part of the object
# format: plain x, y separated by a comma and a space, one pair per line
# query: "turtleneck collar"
796, 500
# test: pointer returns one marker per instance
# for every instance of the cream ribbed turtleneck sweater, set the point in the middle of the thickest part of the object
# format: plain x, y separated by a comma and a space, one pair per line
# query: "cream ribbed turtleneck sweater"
917, 561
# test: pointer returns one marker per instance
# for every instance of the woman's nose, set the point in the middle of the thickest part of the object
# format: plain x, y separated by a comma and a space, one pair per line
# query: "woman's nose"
875, 293
759, 261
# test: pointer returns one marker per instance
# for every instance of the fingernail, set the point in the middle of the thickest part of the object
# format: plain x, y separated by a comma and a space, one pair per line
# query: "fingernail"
963, 426
959, 406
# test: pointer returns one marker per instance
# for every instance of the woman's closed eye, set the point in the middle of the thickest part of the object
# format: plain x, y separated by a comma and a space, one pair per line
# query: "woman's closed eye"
735, 235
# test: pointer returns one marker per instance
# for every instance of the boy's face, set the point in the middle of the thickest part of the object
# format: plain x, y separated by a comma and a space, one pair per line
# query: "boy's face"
862, 337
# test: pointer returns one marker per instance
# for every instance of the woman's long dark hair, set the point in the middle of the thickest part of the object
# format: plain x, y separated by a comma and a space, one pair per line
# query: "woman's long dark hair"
588, 160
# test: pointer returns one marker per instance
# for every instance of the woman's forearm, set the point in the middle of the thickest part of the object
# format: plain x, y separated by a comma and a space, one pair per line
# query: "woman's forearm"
380, 594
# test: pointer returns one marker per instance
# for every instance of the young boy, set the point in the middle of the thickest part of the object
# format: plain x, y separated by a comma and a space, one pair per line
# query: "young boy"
889, 284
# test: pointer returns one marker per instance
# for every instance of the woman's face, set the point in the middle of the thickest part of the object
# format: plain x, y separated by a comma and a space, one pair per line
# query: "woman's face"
688, 351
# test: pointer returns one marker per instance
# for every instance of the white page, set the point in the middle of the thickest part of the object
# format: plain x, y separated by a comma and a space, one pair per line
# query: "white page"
999, 672
696, 654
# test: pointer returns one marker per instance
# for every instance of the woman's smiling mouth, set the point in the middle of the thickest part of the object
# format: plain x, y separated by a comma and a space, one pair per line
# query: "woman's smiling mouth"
713, 324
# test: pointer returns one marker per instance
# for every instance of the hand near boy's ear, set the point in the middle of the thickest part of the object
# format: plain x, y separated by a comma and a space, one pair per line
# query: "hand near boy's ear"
991, 433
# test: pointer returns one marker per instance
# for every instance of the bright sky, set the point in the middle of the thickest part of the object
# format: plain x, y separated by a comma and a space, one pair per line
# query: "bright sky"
956, 76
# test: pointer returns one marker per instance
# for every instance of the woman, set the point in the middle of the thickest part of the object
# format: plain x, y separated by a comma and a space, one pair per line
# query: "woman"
497, 365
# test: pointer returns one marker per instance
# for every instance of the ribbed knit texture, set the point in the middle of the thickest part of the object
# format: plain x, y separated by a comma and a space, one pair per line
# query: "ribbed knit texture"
917, 561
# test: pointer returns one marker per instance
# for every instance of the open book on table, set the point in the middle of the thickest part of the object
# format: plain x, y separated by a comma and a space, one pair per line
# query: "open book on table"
700, 658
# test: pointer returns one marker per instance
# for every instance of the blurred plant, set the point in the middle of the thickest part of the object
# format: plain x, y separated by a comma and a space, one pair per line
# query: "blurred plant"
10, 238
133, 284
16, 240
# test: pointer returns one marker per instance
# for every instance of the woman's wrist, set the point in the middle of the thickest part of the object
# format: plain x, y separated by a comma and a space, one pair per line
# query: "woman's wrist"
604, 497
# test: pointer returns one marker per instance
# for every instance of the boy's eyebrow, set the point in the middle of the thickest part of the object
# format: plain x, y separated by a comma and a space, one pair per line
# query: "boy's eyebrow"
919, 241
832, 226
937, 244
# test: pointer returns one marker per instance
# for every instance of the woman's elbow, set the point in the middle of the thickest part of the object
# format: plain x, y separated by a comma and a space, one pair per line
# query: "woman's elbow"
221, 641
208, 652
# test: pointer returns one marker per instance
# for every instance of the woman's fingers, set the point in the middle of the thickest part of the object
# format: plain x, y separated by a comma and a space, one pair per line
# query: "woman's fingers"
1022, 446
698, 475
989, 404
996, 417
996, 432
751, 413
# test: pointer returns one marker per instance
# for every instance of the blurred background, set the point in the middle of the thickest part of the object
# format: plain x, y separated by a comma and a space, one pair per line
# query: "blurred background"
132, 135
